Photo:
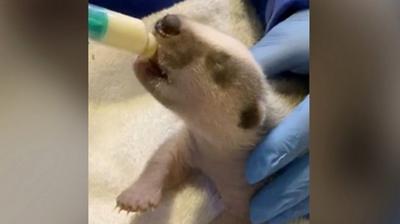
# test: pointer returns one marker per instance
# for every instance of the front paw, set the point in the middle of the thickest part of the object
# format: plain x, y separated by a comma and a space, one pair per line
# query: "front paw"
139, 198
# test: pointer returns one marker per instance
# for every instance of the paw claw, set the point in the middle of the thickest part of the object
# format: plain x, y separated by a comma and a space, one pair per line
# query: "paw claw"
138, 199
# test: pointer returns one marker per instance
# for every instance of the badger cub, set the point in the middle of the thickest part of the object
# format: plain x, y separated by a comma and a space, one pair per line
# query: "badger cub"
211, 81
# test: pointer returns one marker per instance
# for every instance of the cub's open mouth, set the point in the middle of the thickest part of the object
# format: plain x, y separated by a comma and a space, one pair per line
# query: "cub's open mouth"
150, 68
155, 69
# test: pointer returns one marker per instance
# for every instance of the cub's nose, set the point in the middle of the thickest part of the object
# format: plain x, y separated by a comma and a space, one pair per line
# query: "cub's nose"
169, 25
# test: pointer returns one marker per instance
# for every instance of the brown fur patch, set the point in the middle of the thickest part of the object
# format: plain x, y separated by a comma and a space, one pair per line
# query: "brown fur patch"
290, 84
221, 73
250, 117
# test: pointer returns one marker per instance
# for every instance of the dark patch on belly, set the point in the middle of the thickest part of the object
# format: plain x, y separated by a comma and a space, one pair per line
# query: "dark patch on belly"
250, 117
221, 71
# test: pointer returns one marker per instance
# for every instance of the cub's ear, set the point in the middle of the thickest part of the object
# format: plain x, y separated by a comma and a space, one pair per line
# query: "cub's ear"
221, 68
250, 116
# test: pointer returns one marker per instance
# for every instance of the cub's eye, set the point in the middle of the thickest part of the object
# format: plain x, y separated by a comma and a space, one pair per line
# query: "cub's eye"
222, 68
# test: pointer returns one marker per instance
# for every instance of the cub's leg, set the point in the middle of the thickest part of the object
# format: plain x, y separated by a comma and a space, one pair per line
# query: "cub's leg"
236, 209
168, 167
229, 178
227, 218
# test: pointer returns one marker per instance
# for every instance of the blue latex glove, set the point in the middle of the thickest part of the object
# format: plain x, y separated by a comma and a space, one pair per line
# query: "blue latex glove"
284, 151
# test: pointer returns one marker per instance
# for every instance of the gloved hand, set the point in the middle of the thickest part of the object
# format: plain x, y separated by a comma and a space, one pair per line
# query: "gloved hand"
284, 151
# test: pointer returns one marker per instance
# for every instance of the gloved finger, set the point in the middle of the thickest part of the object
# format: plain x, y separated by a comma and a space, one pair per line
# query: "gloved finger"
287, 190
299, 210
285, 47
283, 144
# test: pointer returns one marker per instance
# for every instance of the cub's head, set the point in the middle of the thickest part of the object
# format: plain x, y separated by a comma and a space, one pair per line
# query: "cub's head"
199, 72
